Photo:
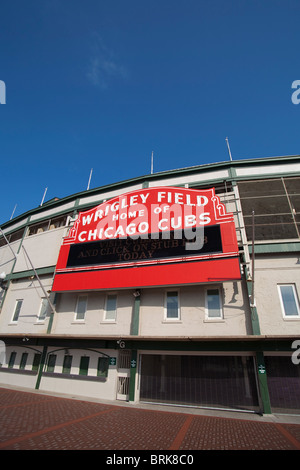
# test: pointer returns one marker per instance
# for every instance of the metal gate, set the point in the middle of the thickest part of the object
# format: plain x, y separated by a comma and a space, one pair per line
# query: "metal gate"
227, 382
123, 374
283, 383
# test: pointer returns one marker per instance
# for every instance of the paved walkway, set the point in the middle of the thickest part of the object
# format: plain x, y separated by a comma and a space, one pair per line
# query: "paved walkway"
37, 421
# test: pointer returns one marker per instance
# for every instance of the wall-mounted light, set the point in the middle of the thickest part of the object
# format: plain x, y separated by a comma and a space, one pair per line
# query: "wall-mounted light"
137, 293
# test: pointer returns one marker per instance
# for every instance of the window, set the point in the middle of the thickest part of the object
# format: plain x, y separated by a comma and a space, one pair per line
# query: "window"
276, 203
172, 305
43, 309
111, 308
12, 359
102, 369
46, 225
213, 304
17, 310
289, 300
124, 359
23, 360
51, 363
12, 237
67, 364
58, 222
84, 365
81, 307
38, 228
36, 361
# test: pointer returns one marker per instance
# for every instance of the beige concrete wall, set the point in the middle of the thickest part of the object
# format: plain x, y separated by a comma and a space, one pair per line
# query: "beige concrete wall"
269, 272
105, 389
7, 258
30, 291
42, 249
193, 320
94, 322
17, 377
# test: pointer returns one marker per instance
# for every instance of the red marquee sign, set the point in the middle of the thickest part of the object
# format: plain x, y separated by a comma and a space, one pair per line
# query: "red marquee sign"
150, 237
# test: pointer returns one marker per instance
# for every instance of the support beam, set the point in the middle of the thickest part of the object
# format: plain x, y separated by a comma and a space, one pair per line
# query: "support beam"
41, 367
133, 368
262, 383
136, 314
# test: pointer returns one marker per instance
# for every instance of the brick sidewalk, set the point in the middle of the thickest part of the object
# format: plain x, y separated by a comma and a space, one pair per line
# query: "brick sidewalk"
32, 421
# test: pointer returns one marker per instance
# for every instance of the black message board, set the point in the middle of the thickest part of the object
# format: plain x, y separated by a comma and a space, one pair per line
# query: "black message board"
155, 246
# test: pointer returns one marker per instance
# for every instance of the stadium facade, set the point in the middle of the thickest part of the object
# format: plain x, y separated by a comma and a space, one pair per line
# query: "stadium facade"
179, 287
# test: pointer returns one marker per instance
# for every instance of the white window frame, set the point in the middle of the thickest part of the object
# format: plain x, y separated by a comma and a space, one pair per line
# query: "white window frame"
13, 320
221, 313
43, 307
172, 319
105, 318
283, 310
77, 305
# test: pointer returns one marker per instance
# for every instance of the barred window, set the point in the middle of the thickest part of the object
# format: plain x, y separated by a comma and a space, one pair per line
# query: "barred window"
276, 206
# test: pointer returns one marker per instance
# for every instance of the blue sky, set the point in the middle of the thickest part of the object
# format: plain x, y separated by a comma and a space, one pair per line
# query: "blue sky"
102, 83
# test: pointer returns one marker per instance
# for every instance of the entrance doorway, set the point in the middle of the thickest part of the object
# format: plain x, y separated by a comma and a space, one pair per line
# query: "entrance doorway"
123, 374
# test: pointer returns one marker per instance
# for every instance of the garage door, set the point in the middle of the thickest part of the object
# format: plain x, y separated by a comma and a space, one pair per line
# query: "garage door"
207, 381
284, 384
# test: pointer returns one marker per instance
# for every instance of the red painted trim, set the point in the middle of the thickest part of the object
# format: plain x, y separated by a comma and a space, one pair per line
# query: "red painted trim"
181, 273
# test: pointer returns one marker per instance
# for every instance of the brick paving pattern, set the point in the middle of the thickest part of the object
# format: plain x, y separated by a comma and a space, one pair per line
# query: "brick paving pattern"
32, 421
